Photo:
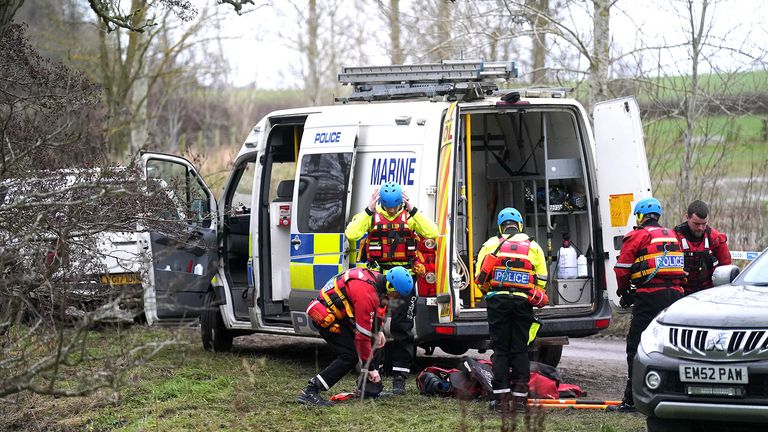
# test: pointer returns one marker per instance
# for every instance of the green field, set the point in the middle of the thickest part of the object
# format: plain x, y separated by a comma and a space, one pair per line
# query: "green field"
188, 389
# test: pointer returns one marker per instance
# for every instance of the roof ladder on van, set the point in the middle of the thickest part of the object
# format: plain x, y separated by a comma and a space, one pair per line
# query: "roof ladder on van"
471, 79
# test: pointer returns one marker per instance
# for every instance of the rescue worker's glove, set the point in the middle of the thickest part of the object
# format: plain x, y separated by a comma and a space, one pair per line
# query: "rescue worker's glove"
627, 298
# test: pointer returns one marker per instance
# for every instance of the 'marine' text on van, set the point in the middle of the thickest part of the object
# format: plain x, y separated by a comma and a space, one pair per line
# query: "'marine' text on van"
398, 170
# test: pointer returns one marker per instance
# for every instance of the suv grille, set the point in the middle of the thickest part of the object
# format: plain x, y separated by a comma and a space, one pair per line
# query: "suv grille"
717, 344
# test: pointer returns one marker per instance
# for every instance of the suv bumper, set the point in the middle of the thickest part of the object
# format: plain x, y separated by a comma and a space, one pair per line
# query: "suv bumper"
671, 400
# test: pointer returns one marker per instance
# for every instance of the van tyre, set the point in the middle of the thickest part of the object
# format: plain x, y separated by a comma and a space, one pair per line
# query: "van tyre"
215, 335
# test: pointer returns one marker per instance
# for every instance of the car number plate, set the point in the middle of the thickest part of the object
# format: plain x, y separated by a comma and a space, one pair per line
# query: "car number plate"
120, 279
714, 374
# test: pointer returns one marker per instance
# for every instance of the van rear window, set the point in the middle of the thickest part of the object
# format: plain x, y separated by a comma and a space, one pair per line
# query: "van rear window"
323, 184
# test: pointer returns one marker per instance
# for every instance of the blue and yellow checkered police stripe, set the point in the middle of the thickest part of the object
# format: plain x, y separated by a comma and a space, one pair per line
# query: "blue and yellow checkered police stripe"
317, 259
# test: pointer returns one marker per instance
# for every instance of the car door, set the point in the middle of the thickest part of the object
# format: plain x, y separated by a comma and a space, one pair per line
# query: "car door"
321, 206
622, 176
183, 252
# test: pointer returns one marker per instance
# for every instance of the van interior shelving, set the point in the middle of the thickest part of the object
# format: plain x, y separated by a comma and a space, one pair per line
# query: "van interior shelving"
533, 160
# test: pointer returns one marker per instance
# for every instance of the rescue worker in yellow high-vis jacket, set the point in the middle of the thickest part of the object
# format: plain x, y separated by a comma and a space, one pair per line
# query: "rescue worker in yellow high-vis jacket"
394, 227
512, 270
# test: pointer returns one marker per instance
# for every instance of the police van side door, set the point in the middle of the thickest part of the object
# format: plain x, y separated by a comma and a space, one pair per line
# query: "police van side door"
321, 206
622, 176
184, 256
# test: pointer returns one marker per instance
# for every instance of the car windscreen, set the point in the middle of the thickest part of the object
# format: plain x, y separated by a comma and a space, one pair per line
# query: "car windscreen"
756, 273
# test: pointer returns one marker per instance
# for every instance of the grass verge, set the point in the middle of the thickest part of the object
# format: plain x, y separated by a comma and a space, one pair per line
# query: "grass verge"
188, 389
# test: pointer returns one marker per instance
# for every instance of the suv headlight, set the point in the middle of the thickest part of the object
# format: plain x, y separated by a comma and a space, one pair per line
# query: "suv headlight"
652, 339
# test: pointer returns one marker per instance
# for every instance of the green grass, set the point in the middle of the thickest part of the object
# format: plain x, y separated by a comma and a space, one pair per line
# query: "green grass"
188, 389
673, 87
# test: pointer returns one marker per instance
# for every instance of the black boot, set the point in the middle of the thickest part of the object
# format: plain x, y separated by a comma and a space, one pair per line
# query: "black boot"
519, 404
499, 403
311, 395
398, 385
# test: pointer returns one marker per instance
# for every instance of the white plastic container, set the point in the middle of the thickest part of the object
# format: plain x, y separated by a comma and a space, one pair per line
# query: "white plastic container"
198, 269
566, 263
581, 266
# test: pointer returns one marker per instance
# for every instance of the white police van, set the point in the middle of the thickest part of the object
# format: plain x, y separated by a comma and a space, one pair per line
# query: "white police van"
462, 149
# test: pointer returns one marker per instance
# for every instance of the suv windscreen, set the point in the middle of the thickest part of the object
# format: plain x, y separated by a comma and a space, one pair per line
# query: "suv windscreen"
757, 273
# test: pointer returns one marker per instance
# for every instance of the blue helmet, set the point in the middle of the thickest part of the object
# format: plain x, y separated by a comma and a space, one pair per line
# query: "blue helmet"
648, 205
509, 214
399, 279
391, 195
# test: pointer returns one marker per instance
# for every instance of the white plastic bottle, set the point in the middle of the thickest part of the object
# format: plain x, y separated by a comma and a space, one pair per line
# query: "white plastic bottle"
581, 265
566, 261
198, 269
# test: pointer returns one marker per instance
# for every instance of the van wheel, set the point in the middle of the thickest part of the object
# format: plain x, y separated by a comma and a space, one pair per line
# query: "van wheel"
454, 348
547, 354
215, 336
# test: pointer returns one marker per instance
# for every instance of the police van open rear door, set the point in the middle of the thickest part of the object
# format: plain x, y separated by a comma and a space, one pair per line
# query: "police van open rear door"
320, 210
447, 295
622, 176
184, 259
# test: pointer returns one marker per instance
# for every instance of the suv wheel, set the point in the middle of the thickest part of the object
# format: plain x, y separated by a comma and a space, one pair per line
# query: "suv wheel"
215, 336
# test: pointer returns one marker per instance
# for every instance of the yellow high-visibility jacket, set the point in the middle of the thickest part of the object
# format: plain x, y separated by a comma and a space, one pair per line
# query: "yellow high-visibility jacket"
361, 224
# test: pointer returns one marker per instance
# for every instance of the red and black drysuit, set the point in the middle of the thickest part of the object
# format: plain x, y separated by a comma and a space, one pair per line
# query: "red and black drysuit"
651, 261
347, 313
702, 255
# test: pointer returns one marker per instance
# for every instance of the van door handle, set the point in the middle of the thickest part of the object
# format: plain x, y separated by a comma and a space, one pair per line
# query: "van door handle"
296, 241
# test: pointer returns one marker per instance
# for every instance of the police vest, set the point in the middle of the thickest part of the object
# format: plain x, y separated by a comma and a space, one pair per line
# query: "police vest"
332, 305
513, 269
698, 262
391, 241
660, 263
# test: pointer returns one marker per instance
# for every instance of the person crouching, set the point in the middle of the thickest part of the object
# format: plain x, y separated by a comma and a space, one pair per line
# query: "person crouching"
348, 315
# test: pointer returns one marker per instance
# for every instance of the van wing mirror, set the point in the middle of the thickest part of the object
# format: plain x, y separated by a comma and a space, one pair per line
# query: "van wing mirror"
724, 275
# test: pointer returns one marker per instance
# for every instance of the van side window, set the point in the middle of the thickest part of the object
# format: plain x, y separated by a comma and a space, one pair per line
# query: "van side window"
184, 188
323, 182
240, 203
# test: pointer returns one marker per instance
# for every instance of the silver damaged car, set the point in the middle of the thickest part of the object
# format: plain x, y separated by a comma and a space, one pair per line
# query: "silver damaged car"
702, 363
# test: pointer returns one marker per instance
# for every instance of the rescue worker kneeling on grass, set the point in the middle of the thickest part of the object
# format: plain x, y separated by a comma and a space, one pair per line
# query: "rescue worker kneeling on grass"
394, 227
649, 274
512, 270
348, 316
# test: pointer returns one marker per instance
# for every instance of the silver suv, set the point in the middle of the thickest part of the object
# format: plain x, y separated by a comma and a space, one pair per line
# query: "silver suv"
703, 362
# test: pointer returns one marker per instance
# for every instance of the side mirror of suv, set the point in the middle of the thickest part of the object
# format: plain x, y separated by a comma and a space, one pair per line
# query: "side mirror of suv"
725, 274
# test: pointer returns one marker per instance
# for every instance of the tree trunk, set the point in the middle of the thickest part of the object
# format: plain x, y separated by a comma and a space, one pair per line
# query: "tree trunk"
598, 66
539, 49
443, 31
313, 77
397, 55
691, 102
8, 9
